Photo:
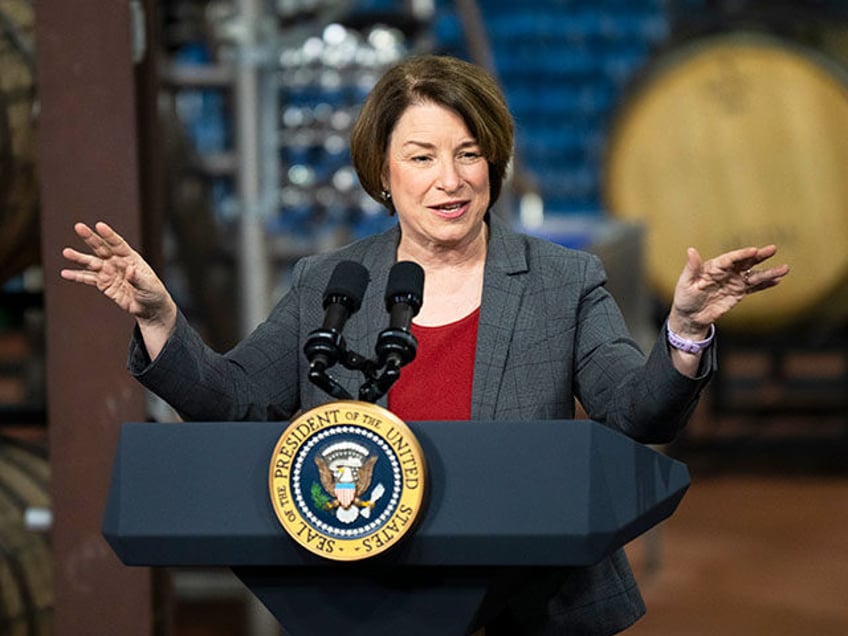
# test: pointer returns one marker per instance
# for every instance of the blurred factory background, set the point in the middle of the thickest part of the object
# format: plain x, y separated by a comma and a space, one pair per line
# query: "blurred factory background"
213, 133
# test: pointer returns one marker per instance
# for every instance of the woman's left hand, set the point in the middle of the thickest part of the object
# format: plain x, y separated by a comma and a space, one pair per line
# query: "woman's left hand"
707, 290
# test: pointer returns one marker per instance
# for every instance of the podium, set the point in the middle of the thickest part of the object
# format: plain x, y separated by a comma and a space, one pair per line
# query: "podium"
506, 501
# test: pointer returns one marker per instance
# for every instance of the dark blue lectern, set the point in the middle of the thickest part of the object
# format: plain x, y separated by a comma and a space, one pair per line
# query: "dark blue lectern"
506, 500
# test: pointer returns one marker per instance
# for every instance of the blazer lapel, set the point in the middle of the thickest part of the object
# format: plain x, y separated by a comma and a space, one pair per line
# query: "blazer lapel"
503, 289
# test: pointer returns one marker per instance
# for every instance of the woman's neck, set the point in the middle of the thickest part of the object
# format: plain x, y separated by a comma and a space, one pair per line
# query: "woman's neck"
434, 257
453, 279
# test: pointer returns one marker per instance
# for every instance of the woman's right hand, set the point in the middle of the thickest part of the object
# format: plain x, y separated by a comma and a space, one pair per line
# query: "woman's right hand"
122, 275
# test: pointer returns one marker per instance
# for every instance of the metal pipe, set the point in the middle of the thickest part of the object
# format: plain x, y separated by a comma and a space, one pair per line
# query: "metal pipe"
252, 257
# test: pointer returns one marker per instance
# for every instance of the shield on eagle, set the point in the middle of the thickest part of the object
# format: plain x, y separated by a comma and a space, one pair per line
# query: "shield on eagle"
346, 469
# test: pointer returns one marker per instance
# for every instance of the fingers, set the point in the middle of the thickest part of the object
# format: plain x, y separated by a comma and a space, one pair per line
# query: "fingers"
737, 260
84, 260
102, 240
105, 244
92, 239
761, 254
90, 266
756, 280
742, 262
82, 230
766, 252
79, 276
693, 268
110, 236
693, 259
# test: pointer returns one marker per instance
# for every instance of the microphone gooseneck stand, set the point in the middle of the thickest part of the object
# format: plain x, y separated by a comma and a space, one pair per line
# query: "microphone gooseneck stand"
395, 347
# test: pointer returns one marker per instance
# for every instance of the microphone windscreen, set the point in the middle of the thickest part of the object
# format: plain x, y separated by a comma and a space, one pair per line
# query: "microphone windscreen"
406, 280
348, 281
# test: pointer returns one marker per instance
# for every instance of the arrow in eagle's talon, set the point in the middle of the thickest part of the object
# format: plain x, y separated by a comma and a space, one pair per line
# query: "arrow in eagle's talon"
375, 495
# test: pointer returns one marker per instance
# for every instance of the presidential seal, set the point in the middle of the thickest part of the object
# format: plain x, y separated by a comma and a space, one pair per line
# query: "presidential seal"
347, 480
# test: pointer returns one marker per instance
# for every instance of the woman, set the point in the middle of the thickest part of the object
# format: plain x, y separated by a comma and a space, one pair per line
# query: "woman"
511, 327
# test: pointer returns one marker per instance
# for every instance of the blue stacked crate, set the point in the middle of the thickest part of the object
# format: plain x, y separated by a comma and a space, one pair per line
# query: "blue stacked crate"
323, 80
563, 66
323, 83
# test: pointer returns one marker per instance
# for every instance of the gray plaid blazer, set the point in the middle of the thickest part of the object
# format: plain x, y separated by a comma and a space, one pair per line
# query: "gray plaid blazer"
549, 332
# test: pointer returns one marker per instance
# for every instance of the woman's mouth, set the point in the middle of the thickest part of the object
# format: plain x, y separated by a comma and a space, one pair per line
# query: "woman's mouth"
451, 209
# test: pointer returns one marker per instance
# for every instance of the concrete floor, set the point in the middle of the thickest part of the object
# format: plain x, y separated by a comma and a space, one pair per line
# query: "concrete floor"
749, 553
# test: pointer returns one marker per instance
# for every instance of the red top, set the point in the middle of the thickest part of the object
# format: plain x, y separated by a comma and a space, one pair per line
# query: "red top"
437, 384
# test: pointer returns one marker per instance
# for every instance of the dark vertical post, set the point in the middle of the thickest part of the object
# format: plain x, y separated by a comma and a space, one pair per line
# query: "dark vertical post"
88, 167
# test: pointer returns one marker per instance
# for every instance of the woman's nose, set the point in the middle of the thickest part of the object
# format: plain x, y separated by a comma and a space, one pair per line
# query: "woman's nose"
449, 177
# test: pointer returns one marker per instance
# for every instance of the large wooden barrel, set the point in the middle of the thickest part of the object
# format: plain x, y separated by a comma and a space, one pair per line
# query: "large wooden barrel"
738, 139
19, 235
26, 587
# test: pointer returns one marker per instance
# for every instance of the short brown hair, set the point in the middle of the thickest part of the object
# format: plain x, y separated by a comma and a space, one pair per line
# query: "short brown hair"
467, 89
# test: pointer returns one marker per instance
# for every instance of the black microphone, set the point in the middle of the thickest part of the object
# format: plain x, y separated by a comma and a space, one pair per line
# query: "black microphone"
396, 345
343, 296
342, 299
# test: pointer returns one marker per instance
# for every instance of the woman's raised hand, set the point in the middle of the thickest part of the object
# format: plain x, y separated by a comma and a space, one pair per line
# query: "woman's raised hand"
122, 275
706, 290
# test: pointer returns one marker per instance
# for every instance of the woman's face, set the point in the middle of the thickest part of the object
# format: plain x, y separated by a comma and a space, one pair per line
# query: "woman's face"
438, 178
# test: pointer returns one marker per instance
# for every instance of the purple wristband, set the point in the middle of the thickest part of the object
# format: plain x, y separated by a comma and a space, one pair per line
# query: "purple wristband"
689, 346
